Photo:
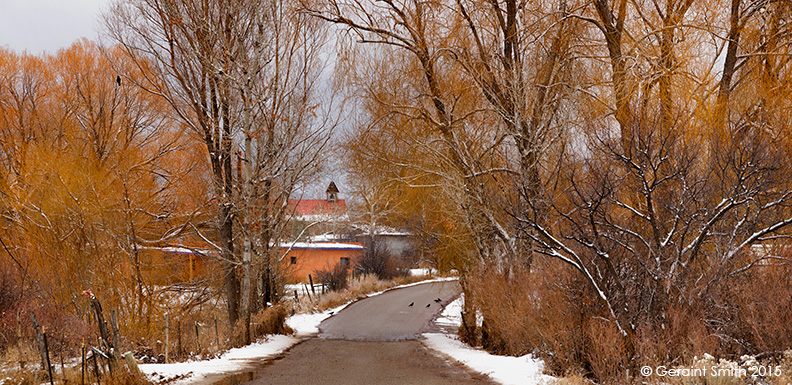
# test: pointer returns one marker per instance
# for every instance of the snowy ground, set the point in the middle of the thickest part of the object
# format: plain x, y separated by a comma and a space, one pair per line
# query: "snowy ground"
231, 361
507, 370
524, 370
238, 359
422, 272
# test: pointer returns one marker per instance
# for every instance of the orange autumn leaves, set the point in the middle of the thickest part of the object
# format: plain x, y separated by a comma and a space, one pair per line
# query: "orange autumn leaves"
89, 168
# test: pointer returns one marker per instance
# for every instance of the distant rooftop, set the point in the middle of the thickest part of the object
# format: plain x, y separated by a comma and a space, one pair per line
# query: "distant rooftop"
329, 208
323, 246
311, 207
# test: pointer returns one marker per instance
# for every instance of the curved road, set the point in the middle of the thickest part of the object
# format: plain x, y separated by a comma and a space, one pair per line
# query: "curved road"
374, 341
396, 315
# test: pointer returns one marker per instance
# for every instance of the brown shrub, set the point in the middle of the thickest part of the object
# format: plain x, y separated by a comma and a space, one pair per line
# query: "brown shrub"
271, 320
531, 313
379, 261
762, 303
681, 334
606, 351
334, 278
551, 313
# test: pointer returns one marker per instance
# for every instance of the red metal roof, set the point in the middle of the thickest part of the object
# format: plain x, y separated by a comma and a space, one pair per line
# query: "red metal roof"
305, 207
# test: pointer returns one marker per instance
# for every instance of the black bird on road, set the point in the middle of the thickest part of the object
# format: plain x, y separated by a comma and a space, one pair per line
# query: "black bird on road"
438, 300
412, 303
428, 304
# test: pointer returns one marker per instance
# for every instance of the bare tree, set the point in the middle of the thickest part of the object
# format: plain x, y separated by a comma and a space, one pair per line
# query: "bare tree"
493, 78
243, 76
658, 225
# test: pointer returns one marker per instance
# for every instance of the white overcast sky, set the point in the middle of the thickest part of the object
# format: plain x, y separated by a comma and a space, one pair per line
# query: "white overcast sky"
48, 25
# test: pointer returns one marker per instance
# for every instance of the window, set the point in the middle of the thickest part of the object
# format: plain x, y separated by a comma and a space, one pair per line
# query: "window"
344, 262
293, 260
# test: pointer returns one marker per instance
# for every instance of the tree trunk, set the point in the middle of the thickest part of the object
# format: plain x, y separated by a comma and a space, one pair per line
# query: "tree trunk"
229, 268
244, 308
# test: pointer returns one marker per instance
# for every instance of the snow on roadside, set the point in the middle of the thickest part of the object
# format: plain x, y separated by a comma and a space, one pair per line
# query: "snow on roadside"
233, 360
307, 324
505, 370
422, 272
438, 279
304, 325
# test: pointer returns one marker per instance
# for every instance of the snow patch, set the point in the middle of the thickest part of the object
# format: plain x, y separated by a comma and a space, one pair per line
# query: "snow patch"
238, 359
452, 314
525, 370
422, 272
322, 246
308, 324
233, 360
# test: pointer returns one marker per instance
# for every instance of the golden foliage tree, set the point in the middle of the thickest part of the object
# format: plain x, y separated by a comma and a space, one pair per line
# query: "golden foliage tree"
85, 179
637, 144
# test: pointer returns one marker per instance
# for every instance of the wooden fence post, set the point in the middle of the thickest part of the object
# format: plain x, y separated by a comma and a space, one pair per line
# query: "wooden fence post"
107, 342
82, 365
46, 354
116, 336
132, 365
178, 330
167, 339
197, 339
96, 368
217, 335
63, 365
42, 345
100, 322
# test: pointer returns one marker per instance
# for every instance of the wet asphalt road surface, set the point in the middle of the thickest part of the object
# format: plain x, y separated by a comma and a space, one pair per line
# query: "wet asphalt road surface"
373, 341
389, 316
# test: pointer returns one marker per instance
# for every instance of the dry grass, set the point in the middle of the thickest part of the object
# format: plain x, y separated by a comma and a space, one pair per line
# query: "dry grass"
550, 313
271, 320
606, 352
23, 352
185, 342
573, 380
532, 313
786, 370
64, 374
356, 289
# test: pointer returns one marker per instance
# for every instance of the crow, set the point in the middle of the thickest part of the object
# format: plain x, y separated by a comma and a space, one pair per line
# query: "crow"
412, 303
331, 313
438, 300
428, 304
118, 80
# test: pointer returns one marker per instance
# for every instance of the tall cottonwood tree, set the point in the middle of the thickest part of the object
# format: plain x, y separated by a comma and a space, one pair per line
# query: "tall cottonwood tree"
243, 76
491, 79
663, 211
78, 154
662, 179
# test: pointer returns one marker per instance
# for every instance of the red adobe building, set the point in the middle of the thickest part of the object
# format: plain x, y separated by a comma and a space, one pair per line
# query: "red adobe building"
323, 215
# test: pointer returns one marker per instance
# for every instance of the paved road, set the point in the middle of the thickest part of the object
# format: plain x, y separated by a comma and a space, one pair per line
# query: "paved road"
373, 341
338, 362
389, 316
